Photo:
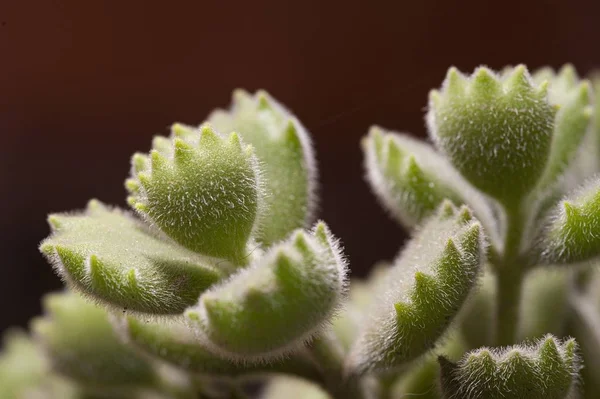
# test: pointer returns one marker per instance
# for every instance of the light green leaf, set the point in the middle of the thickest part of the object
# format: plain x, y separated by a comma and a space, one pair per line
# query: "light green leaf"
572, 229
202, 190
572, 98
109, 255
547, 370
284, 149
278, 302
496, 130
411, 179
81, 345
173, 341
426, 288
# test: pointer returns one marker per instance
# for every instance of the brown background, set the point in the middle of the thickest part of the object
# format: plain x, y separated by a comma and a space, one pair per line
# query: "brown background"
83, 84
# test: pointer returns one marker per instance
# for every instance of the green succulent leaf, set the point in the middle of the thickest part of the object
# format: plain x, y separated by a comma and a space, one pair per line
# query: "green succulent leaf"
109, 255
411, 179
426, 288
284, 149
496, 130
277, 303
202, 190
544, 303
175, 342
547, 370
572, 97
572, 229
81, 345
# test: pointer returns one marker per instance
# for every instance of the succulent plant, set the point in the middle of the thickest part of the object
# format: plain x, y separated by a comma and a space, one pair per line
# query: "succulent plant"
219, 283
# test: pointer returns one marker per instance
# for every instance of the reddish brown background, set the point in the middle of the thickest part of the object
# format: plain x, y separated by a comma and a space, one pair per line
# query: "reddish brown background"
83, 84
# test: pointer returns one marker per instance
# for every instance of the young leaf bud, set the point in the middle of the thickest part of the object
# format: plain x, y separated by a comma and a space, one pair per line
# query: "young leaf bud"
204, 191
572, 228
496, 130
284, 149
277, 303
81, 345
426, 288
547, 370
113, 258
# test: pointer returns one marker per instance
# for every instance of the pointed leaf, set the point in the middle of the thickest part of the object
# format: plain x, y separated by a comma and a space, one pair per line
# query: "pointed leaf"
572, 229
496, 130
205, 193
426, 288
284, 149
547, 370
112, 257
411, 179
293, 289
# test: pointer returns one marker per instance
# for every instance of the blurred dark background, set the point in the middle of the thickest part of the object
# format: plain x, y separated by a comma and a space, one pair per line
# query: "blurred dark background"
84, 84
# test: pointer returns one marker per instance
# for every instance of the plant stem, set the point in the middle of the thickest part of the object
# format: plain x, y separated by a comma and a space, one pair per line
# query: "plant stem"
510, 278
329, 355
509, 297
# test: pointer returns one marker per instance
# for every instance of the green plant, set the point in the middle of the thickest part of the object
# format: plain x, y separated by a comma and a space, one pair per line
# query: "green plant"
215, 288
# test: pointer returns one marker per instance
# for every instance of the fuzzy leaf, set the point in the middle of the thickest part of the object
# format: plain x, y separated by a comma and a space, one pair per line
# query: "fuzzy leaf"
176, 343
107, 254
496, 130
202, 190
411, 179
572, 228
283, 146
572, 97
544, 303
547, 370
426, 288
82, 346
294, 289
